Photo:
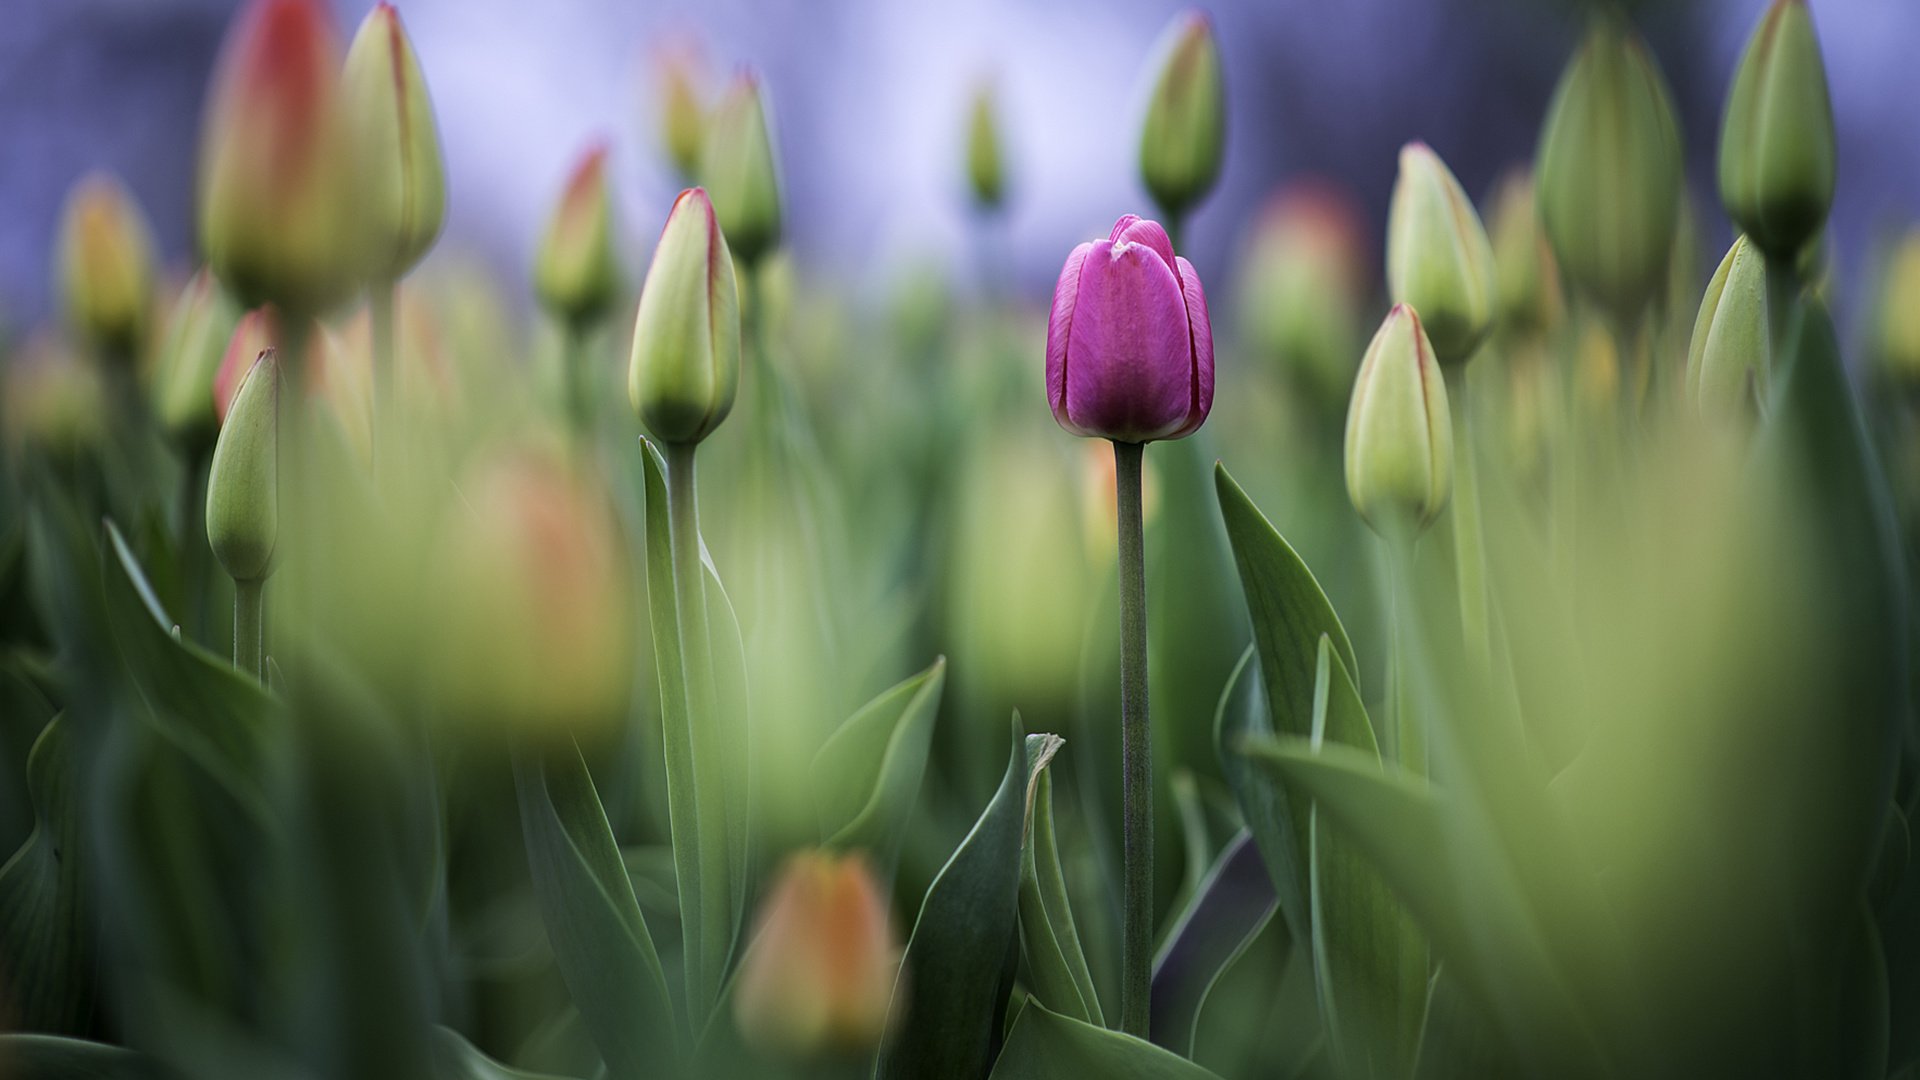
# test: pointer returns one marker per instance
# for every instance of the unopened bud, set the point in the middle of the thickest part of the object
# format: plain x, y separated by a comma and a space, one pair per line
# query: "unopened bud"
576, 273
1777, 144
1526, 279
986, 169
198, 329
1730, 355
686, 334
740, 172
404, 189
243, 486
1438, 259
1184, 135
105, 272
1399, 432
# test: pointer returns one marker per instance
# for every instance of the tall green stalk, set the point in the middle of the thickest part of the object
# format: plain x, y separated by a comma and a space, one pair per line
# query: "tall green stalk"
1136, 752
1468, 543
249, 605
386, 380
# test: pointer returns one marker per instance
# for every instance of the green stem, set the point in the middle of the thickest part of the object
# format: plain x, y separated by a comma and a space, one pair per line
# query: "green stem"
709, 930
1409, 739
249, 604
574, 363
1468, 546
1136, 751
385, 379
1783, 292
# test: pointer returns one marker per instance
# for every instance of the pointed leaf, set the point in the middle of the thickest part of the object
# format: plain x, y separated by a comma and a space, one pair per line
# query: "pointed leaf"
454, 1058
1047, 1046
1048, 936
46, 940
866, 778
1234, 902
50, 1057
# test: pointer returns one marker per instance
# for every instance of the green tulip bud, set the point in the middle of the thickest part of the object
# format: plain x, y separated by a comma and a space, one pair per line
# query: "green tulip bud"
243, 486
1184, 136
198, 329
404, 189
1777, 150
739, 171
576, 273
1728, 360
686, 335
1302, 287
1609, 171
985, 170
1438, 259
1525, 277
1399, 433
105, 272
683, 117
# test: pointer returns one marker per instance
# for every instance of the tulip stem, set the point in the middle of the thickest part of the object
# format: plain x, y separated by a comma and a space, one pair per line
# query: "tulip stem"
1468, 542
385, 380
573, 374
249, 603
1409, 740
1136, 750
1783, 291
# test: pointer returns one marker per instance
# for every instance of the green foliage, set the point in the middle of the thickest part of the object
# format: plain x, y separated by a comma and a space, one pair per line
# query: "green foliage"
1043, 1045
866, 777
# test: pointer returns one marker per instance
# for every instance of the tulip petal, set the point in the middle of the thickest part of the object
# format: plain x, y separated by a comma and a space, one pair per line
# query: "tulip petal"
1059, 325
1200, 330
1133, 229
1131, 350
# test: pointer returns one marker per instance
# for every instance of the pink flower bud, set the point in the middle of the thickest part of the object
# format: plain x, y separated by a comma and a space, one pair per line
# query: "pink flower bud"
1129, 346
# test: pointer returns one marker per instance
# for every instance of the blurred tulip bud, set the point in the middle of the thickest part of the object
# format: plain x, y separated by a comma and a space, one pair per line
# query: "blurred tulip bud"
1302, 286
575, 273
279, 215
1897, 320
106, 265
1129, 343
686, 335
738, 168
1596, 378
404, 188
986, 175
535, 600
243, 486
1399, 432
819, 975
1729, 358
683, 120
1438, 259
1777, 147
256, 332
339, 374
1609, 171
198, 330
50, 398
1184, 135
1526, 279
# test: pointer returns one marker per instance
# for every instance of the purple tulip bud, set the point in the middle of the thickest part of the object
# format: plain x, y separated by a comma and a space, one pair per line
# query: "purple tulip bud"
1129, 347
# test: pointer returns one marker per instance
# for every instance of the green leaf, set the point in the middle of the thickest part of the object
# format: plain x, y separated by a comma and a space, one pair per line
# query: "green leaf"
947, 1006
727, 648
50, 1057
1290, 614
866, 777
1233, 903
1048, 936
454, 1058
46, 940
1048, 1046
1455, 1040
600, 940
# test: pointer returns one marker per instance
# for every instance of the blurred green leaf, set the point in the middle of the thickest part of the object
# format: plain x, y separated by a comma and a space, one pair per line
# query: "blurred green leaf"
866, 778
600, 940
1455, 1040
947, 1007
46, 939
1045, 1045
1049, 939
454, 1058
1234, 902
728, 651
49, 1057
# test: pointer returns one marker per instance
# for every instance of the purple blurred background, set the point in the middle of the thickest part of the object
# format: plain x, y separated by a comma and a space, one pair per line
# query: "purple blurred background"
869, 99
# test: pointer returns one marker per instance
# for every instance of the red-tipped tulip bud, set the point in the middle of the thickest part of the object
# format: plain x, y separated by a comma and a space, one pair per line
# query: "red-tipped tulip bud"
740, 172
404, 190
686, 334
198, 330
243, 486
1777, 145
1438, 259
256, 332
819, 976
105, 272
576, 274
1399, 433
986, 169
1129, 344
1729, 358
1302, 286
683, 112
1184, 135
279, 215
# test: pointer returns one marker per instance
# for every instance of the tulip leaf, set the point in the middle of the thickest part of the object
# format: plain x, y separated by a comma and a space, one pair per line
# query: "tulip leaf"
1290, 614
1233, 903
728, 652
600, 939
866, 777
947, 1006
1049, 939
1455, 1040
51, 1057
454, 1058
46, 939
1045, 1045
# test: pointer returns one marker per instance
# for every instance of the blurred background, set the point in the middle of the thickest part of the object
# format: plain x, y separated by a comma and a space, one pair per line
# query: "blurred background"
870, 100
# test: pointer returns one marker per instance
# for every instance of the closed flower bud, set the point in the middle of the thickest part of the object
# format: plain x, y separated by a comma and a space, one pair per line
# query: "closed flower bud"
256, 332
1129, 344
279, 215
1525, 277
683, 120
1184, 135
1302, 285
986, 169
686, 335
404, 189
575, 273
1399, 433
1438, 259
198, 330
1897, 318
105, 272
1729, 358
738, 169
243, 486
50, 398
1609, 171
1777, 150
819, 976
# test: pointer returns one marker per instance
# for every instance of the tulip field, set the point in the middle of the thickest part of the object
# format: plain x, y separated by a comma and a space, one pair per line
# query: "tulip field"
675, 662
